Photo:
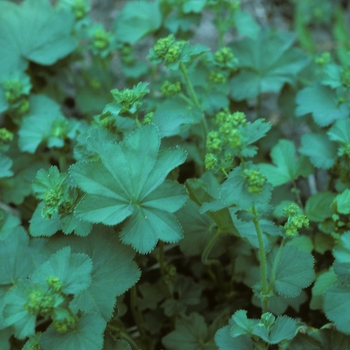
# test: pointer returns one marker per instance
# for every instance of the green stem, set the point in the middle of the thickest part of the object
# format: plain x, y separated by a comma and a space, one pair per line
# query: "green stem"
296, 190
163, 270
125, 336
218, 278
194, 98
135, 311
131, 341
263, 266
208, 249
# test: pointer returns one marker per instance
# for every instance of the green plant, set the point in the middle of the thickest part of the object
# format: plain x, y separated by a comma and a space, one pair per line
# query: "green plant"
156, 200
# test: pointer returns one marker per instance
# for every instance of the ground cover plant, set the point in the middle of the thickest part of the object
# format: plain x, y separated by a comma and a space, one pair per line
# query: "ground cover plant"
159, 193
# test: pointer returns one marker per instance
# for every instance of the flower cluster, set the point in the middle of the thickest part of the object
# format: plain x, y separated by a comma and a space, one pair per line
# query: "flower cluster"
101, 41
217, 78
254, 180
17, 88
128, 100
226, 142
168, 50
224, 58
296, 220
169, 89
5, 137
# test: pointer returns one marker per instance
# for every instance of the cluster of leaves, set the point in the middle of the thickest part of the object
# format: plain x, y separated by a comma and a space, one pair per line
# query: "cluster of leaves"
158, 200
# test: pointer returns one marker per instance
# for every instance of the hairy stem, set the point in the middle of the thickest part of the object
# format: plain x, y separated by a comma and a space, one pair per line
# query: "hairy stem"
263, 266
194, 98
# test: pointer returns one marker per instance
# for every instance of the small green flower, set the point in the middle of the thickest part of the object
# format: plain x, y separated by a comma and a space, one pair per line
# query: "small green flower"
39, 301
345, 77
296, 220
62, 326
217, 78
213, 143
254, 180
169, 89
323, 59
210, 161
225, 58
148, 119
5, 135
54, 283
80, 8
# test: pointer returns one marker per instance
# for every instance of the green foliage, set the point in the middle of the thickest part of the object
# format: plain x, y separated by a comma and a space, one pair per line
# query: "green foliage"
175, 178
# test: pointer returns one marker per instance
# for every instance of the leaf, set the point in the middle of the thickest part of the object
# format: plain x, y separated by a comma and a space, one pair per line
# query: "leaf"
287, 167
246, 25
192, 332
323, 281
320, 149
15, 313
10, 225
198, 192
284, 328
36, 32
294, 270
322, 103
16, 257
10, 52
318, 207
266, 64
38, 226
340, 131
241, 324
136, 20
342, 270
341, 252
73, 271
5, 166
129, 182
241, 197
195, 6
174, 116
336, 306
224, 340
342, 201
113, 270
88, 335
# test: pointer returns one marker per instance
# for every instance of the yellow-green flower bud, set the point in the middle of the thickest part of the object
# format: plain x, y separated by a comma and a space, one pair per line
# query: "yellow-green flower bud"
323, 59
210, 161
5, 135
254, 180
213, 142
169, 89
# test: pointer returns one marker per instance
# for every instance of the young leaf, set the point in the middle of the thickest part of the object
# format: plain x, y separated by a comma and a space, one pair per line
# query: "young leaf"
129, 182
284, 328
322, 103
72, 270
224, 340
16, 315
294, 270
88, 334
113, 270
191, 333
5, 166
287, 167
